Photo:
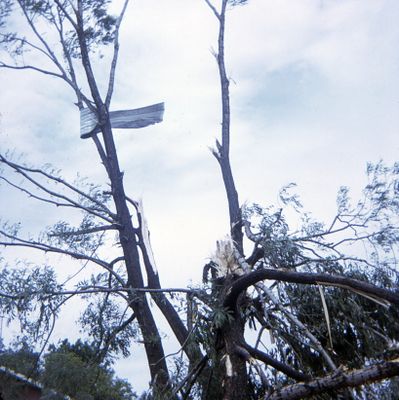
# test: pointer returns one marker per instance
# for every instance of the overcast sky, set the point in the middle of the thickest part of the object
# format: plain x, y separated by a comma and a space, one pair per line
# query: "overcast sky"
314, 91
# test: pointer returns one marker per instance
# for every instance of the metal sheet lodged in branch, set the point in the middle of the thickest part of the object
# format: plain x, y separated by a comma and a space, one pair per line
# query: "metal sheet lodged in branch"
125, 119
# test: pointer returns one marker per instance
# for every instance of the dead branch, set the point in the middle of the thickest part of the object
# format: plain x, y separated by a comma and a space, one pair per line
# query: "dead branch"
338, 380
111, 80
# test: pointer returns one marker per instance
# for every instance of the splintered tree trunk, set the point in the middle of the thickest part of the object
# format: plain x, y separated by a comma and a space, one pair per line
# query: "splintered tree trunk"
229, 376
235, 375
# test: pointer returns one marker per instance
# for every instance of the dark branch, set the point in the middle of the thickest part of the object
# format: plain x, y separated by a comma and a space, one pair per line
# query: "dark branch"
338, 380
111, 80
213, 8
278, 365
31, 67
308, 279
223, 150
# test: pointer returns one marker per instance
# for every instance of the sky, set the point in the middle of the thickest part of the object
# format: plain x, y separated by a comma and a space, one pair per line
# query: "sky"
314, 96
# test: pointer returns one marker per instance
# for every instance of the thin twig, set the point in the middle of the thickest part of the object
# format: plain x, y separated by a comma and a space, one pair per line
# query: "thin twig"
111, 80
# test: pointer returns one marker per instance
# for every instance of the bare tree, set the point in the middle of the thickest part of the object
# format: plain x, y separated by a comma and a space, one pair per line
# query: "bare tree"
286, 290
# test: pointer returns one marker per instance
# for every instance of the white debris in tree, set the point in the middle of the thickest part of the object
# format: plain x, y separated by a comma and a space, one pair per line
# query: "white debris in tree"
146, 237
124, 119
225, 258
229, 366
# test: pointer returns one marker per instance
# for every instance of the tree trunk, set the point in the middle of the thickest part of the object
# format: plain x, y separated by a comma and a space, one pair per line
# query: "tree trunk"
129, 242
236, 377
138, 301
233, 376
230, 376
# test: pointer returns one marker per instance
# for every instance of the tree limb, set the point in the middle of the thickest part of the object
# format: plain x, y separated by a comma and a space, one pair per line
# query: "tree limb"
223, 149
213, 8
252, 278
18, 242
96, 289
25, 172
176, 324
111, 80
338, 380
87, 231
32, 67
278, 365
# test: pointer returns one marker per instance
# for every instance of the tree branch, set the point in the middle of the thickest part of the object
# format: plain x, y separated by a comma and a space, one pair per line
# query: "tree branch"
48, 51
213, 8
115, 57
69, 18
101, 153
96, 289
252, 278
223, 150
176, 324
278, 365
25, 172
18, 242
87, 231
338, 380
33, 68
73, 82
30, 194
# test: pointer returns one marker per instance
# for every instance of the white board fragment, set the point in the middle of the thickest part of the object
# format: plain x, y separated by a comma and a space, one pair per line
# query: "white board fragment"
124, 119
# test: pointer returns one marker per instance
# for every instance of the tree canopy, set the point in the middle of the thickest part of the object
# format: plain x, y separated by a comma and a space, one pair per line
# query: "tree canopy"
68, 369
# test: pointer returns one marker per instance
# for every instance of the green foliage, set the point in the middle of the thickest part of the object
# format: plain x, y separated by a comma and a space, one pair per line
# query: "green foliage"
109, 327
221, 317
5, 9
273, 236
68, 237
360, 243
234, 3
21, 359
68, 369
361, 329
73, 369
33, 303
98, 25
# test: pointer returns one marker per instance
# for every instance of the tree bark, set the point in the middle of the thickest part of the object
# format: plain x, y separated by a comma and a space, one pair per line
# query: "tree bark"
230, 369
223, 155
233, 367
360, 287
138, 301
235, 381
336, 381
